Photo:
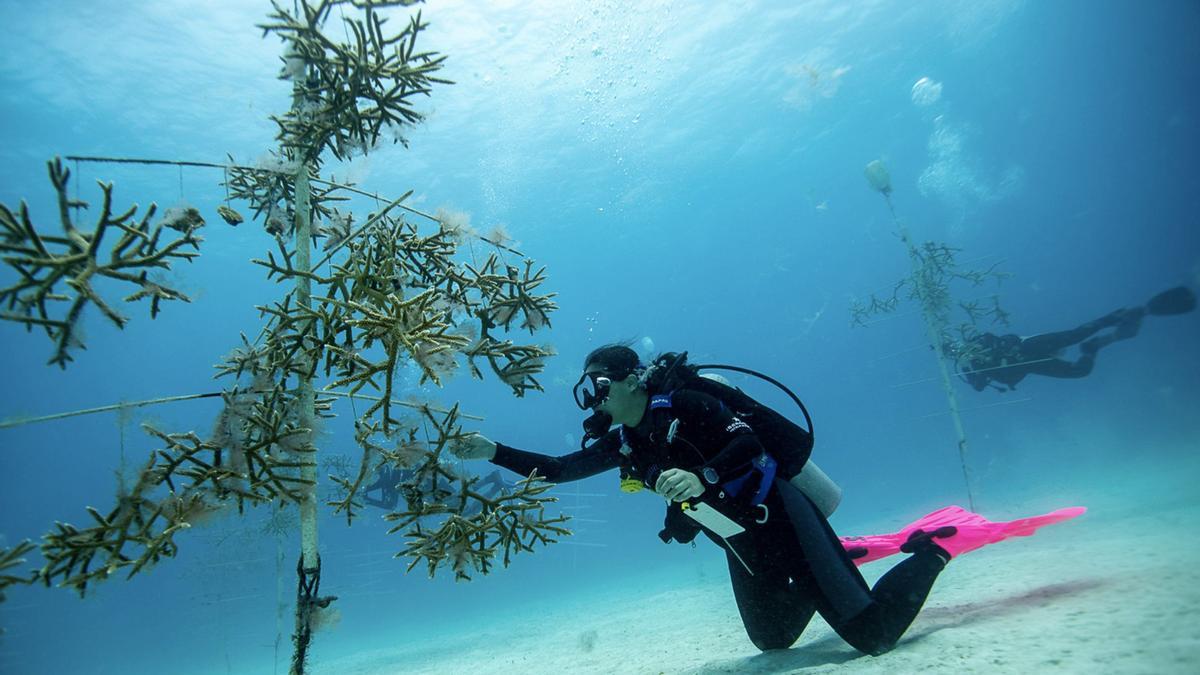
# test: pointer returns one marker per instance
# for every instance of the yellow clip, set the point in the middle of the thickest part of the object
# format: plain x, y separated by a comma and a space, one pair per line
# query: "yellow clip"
685, 505
631, 485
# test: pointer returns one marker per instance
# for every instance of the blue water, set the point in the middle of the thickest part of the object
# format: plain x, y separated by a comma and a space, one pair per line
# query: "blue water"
690, 173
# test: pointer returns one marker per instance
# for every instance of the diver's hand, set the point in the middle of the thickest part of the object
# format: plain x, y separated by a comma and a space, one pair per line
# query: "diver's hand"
678, 485
474, 446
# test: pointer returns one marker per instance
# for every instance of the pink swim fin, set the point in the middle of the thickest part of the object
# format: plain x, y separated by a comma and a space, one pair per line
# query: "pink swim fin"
974, 531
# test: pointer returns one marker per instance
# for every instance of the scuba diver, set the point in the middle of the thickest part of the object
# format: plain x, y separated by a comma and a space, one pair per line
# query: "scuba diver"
392, 482
733, 469
987, 359
387, 480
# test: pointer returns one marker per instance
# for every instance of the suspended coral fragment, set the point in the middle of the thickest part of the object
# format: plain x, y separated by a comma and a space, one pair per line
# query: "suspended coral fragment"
182, 218
76, 258
229, 215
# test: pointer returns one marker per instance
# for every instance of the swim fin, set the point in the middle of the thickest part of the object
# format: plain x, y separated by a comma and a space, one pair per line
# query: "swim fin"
1178, 300
972, 531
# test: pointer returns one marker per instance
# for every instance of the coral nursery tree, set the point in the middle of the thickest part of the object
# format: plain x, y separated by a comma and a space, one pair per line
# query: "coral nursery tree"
951, 325
394, 295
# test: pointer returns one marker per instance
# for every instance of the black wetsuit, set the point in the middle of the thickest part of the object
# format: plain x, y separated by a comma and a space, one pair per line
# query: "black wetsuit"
796, 564
1007, 359
387, 481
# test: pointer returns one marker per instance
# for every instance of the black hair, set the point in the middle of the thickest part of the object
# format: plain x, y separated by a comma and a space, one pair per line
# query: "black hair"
617, 360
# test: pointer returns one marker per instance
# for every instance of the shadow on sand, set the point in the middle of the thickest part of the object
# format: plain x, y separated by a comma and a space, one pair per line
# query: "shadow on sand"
831, 651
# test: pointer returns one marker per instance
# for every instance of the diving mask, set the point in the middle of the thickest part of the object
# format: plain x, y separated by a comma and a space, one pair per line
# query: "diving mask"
591, 390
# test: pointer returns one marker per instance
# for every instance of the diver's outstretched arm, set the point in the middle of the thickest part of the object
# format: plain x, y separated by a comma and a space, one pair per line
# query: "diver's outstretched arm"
596, 458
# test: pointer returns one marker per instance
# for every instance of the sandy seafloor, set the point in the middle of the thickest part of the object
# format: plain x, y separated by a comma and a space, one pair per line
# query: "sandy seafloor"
1114, 591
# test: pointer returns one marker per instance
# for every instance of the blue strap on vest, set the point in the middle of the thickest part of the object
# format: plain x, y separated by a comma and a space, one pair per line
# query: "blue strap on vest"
766, 466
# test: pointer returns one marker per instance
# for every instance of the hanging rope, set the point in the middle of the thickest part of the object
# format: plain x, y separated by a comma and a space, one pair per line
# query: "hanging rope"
899, 353
226, 167
280, 556
471, 247
968, 372
122, 420
22, 421
980, 407
78, 201
308, 605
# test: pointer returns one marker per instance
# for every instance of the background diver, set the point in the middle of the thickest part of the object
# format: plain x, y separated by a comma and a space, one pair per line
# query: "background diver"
705, 458
1001, 361
391, 481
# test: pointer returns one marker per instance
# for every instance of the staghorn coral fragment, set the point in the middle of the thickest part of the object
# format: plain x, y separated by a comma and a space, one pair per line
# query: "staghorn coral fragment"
365, 310
247, 358
229, 215
182, 219
353, 90
506, 525
270, 189
253, 457
156, 292
337, 229
44, 263
11, 558
515, 365
510, 293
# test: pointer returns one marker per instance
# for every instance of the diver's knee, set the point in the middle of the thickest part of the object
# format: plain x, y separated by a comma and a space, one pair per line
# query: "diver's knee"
865, 634
772, 643
873, 647
770, 638
880, 650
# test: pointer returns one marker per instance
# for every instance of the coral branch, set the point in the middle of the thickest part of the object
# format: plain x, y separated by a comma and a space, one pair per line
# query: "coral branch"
511, 523
253, 456
352, 91
11, 558
73, 260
